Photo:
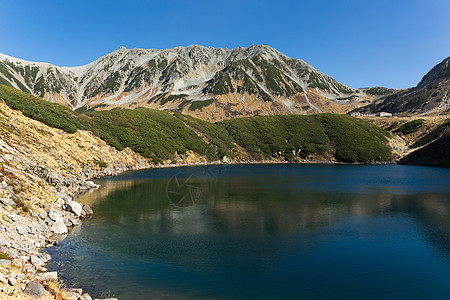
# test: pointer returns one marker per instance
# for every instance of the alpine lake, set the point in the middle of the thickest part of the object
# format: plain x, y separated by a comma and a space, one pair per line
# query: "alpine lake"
274, 231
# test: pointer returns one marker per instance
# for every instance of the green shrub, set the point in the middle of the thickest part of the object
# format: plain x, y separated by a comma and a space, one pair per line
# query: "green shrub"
411, 127
196, 105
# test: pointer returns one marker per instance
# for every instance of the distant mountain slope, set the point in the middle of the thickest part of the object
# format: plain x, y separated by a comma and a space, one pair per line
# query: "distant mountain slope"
210, 83
430, 96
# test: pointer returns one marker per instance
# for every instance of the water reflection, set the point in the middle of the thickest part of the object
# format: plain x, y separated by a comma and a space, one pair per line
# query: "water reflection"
266, 233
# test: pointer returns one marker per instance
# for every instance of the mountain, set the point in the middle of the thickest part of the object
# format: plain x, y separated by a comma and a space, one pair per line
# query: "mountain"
430, 97
210, 83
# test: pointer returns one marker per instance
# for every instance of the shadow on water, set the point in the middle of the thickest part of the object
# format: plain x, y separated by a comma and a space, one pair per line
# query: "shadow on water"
264, 232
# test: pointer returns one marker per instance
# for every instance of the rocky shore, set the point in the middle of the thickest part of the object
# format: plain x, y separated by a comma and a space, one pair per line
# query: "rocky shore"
41, 170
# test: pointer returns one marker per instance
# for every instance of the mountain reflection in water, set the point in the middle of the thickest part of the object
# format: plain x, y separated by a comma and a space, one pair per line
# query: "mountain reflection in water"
251, 223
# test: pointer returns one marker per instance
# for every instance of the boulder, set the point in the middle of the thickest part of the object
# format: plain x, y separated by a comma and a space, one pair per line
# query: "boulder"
12, 217
91, 185
21, 230
74, 222
5, 263
54, 215
74, 207
35, 289
12, 280
36, 261
4, 243
7, 201
3, 279
87, 211
59, 228
85, 296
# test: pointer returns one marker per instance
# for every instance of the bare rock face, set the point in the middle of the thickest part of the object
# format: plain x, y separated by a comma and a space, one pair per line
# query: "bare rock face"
35, 289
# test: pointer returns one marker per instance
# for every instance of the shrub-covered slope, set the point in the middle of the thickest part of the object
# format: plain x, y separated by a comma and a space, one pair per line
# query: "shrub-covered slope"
325, 136
159, 135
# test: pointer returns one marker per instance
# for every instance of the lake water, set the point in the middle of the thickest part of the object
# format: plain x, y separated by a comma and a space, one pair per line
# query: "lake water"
264, 232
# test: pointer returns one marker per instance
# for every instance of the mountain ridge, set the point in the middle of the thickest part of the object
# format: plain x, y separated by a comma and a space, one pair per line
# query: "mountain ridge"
240, 82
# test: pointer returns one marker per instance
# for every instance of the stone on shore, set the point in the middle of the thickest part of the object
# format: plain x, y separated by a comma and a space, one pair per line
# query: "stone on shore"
85, 296
59, 228
49, 276
74, 207
36, 261
87, 211
54, 216
35, 289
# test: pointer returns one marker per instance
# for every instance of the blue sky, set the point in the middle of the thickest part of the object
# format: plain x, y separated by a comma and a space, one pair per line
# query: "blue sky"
359, 43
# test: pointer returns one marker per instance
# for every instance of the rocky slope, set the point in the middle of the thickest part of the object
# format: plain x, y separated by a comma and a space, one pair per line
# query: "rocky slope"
430, 97
210, 83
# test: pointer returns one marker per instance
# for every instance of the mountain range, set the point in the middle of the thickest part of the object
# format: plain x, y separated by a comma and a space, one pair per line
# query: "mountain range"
209, 83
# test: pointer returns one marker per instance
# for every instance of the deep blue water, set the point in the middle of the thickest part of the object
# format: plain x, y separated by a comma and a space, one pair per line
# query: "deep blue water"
264, 232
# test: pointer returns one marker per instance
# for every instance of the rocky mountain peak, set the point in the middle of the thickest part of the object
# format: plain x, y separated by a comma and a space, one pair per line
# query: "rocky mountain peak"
259, 78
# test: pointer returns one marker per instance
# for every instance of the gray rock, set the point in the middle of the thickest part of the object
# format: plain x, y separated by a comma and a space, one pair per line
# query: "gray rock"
85, 296
36, 261
21, 230
3, 279
35, 289
87, 210
68, 223
74, 222
46, 257
7, 201
59, 228
5, 262
49, 276
54, 215
4, 243
32, 230
74, 207
12, 280
12, 217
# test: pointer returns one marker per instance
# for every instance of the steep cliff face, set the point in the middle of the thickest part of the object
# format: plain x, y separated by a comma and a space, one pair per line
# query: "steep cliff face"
211, 83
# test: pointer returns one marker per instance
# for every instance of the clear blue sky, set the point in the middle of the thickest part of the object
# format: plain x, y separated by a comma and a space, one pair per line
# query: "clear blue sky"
360, 43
